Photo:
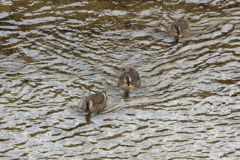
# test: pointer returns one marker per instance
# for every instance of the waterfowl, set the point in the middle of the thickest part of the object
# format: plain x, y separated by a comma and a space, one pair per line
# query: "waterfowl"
180, 27
129, 80
94, 103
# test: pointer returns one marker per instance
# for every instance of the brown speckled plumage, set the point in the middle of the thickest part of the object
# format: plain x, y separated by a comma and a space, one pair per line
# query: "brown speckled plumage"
180, 27
97, 104
129, 77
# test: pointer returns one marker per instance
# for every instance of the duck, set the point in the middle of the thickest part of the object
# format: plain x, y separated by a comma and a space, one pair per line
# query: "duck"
179, 27
94, 103
129, 80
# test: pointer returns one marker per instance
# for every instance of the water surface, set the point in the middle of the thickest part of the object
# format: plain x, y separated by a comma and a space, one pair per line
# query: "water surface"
55, 53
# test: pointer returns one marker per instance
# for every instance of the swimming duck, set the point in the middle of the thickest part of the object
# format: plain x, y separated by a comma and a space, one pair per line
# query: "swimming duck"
94, 103
180, 27
129, 80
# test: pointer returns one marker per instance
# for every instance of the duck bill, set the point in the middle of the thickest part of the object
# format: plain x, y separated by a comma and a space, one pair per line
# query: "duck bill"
130, 86
179, 36
87, 113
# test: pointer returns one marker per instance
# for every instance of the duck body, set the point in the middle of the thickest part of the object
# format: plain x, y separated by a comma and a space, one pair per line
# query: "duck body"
180, 27
129, 80
94, 103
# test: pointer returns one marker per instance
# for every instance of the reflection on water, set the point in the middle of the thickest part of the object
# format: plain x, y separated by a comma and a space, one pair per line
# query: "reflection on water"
55, 53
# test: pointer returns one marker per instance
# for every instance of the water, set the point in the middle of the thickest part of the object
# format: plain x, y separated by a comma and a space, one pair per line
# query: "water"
55, 53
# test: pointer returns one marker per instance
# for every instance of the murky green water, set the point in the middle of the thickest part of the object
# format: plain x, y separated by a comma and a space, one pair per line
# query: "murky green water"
54, 53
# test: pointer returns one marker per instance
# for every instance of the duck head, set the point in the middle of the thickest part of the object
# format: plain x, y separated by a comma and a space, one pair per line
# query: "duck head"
128, 80
177, 28
88, 105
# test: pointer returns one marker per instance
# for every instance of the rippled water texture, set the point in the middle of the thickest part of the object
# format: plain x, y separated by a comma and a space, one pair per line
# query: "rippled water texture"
56, 52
